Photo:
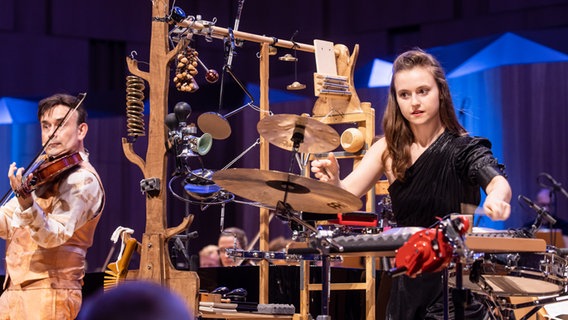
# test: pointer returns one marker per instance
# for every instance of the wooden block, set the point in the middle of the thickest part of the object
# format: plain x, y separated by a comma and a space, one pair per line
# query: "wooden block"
209, 297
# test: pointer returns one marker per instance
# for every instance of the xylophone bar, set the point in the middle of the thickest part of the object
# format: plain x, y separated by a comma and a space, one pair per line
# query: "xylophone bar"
504, 244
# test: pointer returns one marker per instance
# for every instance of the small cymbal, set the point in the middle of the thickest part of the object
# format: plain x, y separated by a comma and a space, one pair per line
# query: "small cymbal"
304, 194
279, 129
214, 124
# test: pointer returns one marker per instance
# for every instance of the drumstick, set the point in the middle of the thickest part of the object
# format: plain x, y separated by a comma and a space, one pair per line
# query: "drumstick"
471, 210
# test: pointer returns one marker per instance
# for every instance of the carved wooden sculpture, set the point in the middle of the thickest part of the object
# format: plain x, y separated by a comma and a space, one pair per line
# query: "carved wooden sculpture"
155, 264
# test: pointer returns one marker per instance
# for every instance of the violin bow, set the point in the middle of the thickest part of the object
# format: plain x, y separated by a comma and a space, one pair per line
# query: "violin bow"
81, 97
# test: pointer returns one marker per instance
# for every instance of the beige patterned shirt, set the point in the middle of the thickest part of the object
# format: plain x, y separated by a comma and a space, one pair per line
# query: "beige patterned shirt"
55, 233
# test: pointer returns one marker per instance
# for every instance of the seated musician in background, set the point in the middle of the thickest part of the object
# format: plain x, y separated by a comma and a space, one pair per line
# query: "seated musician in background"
48, 230
432, 166
232, 238
279, 244
209, 256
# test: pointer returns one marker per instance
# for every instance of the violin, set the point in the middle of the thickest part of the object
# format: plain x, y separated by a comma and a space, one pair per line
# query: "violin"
46, 171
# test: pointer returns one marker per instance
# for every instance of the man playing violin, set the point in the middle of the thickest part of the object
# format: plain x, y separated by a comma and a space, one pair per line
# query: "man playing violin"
50, 223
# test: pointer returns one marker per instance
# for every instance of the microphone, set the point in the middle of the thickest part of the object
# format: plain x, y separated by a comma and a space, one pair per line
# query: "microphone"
179, 245
192, 235
238, 17
539, 210
232, 43
181, 248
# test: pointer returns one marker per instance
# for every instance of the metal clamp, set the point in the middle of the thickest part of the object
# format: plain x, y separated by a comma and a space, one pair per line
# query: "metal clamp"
150, 184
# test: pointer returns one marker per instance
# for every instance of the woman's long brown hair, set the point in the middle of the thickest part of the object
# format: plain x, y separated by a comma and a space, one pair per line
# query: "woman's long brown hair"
398, 135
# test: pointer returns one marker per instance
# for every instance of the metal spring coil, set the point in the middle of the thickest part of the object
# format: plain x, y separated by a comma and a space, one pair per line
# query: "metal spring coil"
135, 106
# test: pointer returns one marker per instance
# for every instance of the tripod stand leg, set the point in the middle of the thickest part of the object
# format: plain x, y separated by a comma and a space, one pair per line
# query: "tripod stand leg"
325, 289
445, 282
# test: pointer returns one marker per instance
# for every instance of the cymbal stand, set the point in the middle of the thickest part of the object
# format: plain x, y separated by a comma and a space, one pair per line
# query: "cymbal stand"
459, 294
321, 241
323, 244
452, 228
297, 138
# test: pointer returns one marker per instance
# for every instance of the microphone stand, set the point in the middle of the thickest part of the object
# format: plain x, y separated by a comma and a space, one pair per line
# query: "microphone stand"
461, 251
554, 186
227, 69
542, 214
552, 212
230, 45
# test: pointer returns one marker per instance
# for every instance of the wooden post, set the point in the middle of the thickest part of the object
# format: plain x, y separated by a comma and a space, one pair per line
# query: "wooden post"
264, 165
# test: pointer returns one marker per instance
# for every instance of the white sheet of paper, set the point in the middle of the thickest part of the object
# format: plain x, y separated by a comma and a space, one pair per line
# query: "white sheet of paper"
325, 58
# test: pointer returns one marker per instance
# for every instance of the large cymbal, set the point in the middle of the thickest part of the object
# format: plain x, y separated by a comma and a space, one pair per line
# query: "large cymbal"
279, 129
304, 194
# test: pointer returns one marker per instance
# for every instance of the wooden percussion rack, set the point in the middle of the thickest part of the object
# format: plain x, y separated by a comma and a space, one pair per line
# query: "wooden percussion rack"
154, 262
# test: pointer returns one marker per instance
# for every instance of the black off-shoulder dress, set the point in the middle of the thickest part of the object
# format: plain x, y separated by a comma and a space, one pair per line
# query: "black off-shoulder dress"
449, 173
